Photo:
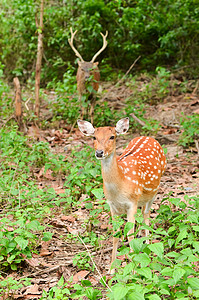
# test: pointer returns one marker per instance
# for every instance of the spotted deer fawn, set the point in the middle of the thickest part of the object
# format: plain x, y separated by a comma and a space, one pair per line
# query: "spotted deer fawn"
87, 71
130, 180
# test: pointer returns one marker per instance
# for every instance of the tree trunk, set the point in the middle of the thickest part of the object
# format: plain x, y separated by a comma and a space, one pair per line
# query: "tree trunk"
39, 59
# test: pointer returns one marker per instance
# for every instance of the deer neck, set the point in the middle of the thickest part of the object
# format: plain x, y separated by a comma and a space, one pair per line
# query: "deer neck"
110, 169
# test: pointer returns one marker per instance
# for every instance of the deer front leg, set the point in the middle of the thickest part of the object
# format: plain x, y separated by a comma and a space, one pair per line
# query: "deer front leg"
131, 218
81, 106
93, 99
115, 246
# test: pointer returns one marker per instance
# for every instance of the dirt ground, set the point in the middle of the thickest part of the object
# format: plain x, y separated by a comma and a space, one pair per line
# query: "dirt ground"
55, 258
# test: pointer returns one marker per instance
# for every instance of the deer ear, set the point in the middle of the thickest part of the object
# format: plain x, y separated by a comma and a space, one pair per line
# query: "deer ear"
86, 127
122, 126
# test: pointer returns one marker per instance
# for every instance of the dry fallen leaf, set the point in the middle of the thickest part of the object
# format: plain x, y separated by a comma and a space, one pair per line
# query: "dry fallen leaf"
73, 231
46, 174
196, 111
68, 218
33, 262
80, 275
33, 290
44, 252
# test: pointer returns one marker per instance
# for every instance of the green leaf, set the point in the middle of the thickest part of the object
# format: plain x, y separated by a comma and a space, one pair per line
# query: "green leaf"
154, 297
21, 242
128, 226
128, 269
34, 225
11, 258
86, 283
157, 248
177, 274
143, 259
89, 205
195, 228
146, 272
173, 254
47, 236
103, 281
194, 283
136, 245
13, 267
168, 271
99, 194
171, 242
196, 245
61, 281
120, 292
171, 229
135, 296
182, 235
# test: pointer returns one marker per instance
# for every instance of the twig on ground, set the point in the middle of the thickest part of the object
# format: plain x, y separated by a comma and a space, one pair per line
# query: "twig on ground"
40, 272
5, 122
142, 123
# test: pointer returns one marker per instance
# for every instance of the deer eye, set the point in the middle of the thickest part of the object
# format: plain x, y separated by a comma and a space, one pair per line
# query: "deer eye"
112, 137
94, 138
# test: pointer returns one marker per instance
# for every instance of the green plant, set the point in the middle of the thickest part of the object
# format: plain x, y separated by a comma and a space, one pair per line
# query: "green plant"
58, 292
62, 292
166, 268
82, 261
18, 239
190, 130
9, 285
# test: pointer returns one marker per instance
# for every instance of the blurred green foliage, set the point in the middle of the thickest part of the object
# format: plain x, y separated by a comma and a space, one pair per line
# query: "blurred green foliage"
164, 33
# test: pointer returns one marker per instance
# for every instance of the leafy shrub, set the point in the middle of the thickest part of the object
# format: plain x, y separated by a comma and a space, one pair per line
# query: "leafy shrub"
162, 32
17, 241
9, 285
190, 130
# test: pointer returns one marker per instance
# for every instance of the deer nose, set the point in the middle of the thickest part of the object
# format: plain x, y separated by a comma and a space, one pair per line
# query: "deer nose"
99, 153
87, 76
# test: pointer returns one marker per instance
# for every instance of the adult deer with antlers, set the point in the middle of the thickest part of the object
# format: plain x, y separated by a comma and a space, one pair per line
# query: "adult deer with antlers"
130, 180
87, 72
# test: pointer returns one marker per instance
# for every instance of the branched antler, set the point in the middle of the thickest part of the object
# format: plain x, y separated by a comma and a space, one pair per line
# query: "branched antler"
71, 44
103, 47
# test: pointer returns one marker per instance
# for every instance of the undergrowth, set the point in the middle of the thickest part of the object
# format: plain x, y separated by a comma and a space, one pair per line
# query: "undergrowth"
165, 269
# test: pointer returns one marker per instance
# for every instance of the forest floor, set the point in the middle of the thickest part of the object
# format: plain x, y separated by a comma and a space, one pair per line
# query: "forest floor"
55, 257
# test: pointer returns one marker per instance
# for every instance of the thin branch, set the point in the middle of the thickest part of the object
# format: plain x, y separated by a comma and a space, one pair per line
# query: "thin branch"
197, 146
94, 263
123, 77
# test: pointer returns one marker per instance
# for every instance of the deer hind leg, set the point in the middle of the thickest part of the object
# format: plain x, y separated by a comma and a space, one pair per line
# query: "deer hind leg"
146, 214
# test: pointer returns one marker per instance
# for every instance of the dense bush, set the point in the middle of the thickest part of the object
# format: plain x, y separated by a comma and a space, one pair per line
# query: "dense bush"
162, 32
